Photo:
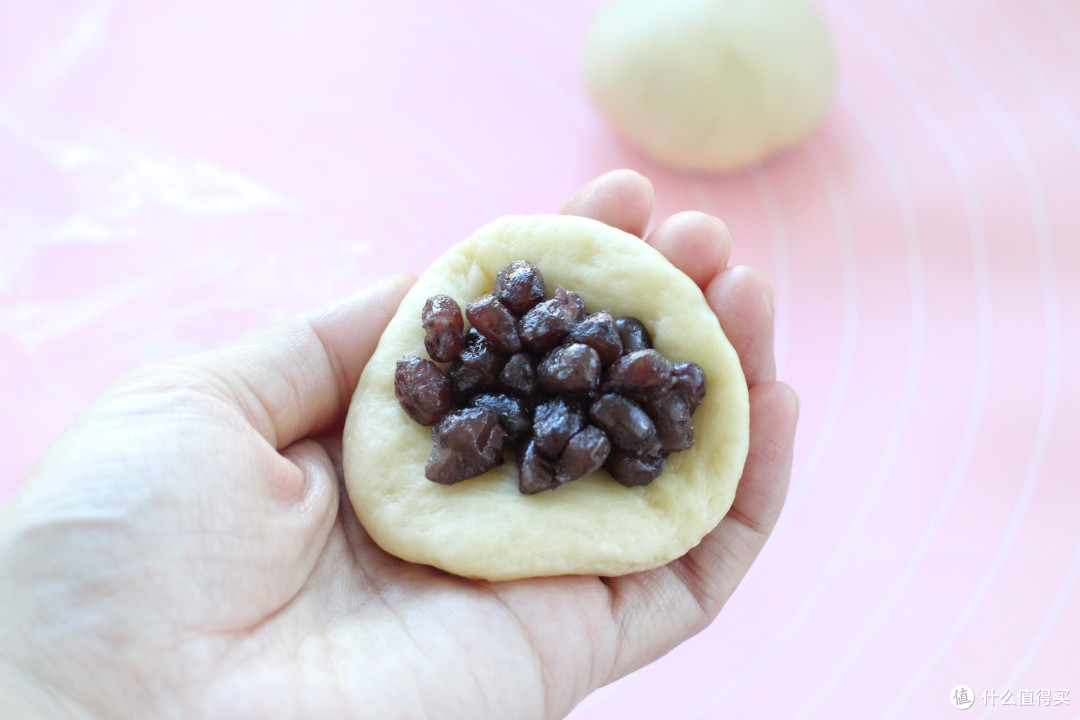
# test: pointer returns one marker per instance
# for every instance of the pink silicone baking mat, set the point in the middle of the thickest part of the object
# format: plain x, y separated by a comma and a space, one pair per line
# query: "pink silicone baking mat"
173, 175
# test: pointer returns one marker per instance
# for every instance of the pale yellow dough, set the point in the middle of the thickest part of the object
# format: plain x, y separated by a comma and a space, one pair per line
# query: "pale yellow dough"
710, 84
483, 527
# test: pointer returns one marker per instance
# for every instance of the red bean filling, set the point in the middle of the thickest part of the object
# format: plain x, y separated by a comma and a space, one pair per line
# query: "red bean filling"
422, 390
570, 392
442, 327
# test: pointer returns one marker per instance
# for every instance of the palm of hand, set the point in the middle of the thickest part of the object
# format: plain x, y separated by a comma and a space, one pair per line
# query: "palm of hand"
231, 579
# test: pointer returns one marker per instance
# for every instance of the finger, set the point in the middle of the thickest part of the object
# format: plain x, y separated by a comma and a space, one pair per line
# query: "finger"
297, 377
742, 298
713, 569
696, 243
299, 534
656, 610
621, 198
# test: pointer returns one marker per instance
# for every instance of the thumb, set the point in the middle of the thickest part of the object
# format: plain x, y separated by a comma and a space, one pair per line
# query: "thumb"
297, 378
301, 531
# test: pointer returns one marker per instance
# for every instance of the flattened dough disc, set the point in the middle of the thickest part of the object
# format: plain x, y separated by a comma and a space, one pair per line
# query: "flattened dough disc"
483, 527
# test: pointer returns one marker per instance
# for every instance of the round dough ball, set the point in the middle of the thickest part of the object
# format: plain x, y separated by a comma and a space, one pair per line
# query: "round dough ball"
710, 84
484, 527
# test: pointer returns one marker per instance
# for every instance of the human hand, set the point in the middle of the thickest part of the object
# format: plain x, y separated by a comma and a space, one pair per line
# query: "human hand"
186, 549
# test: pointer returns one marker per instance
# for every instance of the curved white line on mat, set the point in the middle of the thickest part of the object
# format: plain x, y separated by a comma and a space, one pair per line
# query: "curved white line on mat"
1069, 125
987, 105
849, 290
909, 394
